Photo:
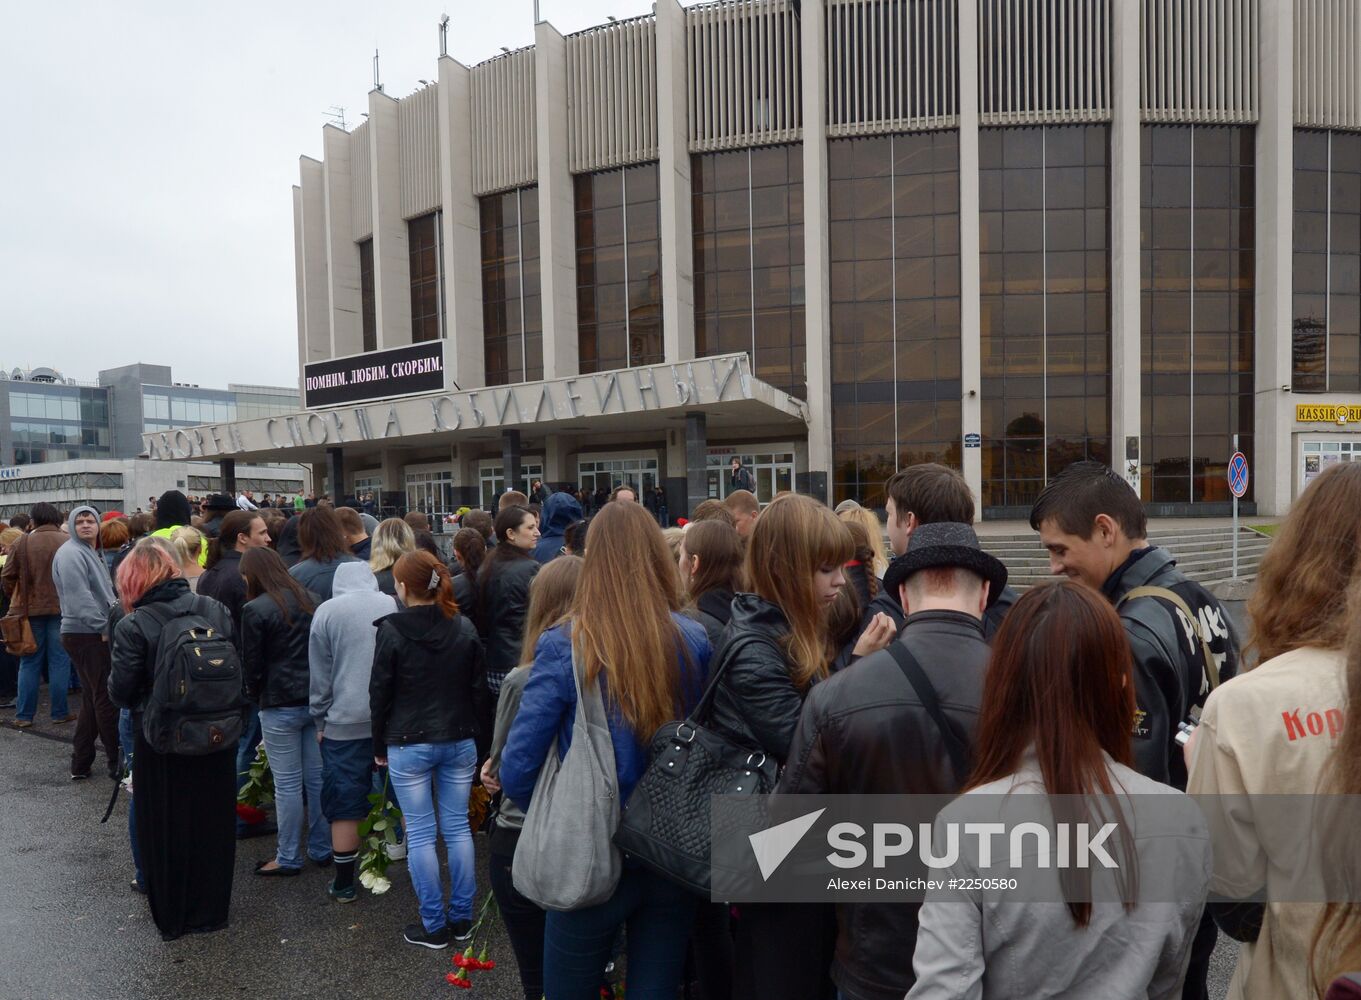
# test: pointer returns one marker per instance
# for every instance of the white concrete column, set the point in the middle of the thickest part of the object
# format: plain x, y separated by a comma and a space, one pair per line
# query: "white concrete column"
970, 281
1272, 466
299, 298
316, 298
464, 354
816, 251
557, 221
555, 458
391, 256
673, 172
1126, 265
342, 254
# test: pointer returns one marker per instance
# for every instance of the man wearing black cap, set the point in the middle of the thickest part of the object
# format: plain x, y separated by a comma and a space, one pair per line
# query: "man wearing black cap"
215, 508
901, 721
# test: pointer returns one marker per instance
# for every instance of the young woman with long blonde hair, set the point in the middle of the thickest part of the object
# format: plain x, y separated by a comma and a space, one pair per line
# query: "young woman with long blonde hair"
1252, 744
625, 633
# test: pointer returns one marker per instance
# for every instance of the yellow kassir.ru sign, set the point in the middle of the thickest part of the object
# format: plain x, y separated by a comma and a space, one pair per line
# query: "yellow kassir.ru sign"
1327, 413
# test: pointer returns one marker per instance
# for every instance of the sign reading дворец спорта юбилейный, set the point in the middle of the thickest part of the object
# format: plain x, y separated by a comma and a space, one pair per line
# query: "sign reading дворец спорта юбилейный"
631, 390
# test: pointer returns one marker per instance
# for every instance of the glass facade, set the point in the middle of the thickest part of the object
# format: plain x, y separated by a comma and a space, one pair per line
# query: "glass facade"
893, 207
1326, 322
425, 247
619, 277
1198, 261
368, 301
747, 213
1044, 223
58, 423
512, 311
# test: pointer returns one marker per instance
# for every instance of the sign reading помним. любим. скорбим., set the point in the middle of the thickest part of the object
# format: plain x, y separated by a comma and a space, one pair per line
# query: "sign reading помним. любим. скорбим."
401, 371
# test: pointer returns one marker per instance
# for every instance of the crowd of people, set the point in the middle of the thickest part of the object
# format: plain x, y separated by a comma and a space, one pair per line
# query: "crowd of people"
362, 656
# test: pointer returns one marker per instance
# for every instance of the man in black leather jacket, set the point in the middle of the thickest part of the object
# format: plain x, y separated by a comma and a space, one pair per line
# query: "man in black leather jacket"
1094, 527
866, 731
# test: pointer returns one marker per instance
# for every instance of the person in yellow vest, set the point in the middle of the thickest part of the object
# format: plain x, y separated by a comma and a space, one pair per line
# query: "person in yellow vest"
173, 511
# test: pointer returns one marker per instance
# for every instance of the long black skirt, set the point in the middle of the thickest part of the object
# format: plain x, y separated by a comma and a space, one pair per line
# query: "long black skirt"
185, 811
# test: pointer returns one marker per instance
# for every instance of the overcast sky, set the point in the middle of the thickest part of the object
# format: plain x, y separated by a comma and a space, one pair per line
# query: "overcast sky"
148, 157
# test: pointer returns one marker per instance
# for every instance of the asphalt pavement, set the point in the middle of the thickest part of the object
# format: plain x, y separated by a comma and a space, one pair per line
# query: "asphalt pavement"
71, 929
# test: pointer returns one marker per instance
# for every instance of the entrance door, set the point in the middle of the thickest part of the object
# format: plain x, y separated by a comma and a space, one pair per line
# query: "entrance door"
772, 470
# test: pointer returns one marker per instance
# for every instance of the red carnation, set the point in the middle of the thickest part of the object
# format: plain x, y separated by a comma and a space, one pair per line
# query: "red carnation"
250, 814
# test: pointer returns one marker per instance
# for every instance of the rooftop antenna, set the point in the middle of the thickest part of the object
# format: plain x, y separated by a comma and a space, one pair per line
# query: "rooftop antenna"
444, 34
377, 83
537, 17
336, 114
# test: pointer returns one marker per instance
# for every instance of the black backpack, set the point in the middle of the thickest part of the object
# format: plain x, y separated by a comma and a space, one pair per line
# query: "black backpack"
197, 703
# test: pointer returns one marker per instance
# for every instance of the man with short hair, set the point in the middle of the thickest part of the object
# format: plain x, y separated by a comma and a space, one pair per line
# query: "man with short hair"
745, 509
712, 510
624, 492
511, 498
21, 521
1095, 529
244, 501
479, 520
929, 493
355, 536
27, 580
740, 477
869, 731
86, 593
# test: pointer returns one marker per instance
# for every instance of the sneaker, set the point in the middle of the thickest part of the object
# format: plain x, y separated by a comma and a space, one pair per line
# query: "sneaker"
434, 940
343, 895
461, 930
23, 723
396, 852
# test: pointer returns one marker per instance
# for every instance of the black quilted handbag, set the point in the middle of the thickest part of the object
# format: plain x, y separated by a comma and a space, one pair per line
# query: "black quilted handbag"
666, 823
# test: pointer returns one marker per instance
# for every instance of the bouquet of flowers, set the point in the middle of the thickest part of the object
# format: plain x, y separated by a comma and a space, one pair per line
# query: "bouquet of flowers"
378, 837
464, 962
258, 791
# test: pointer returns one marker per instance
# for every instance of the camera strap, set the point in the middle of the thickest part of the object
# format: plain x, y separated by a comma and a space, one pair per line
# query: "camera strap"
955, 746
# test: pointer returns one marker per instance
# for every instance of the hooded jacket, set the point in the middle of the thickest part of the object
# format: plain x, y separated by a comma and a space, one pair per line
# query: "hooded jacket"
429, 682
274, 651
1168, 663
82, 581
340, 653
559, 512
317, 576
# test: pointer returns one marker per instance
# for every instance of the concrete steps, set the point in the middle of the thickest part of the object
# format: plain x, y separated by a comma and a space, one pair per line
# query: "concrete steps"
1205, 554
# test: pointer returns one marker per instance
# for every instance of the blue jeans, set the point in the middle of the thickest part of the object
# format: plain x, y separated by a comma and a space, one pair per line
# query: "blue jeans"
447, 769
657, 916
245, 753
295, 761
47, 633
127, 740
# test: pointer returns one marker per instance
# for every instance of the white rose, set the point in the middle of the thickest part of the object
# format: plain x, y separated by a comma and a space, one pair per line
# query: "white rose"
380, 885
366, 879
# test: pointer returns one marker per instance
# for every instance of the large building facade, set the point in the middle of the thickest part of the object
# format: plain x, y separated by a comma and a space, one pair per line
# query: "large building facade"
1004, 236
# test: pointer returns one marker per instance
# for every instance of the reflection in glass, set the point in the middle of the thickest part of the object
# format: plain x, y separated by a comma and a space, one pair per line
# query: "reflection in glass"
512, 318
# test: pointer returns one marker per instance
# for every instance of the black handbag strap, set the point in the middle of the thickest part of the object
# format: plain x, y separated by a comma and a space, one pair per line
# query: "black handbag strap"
726, 654
926, 694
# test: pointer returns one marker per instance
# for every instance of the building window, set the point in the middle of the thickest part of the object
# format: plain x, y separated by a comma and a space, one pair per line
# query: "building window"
1044, 222
426, 252
512, 312
893, 207
1326, 343
748, 233
492, 478
367, 298
772, 470
619, 277
1198, 260
607, 473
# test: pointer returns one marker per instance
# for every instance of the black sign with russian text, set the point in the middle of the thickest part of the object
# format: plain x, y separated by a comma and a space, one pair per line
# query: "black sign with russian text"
402, 371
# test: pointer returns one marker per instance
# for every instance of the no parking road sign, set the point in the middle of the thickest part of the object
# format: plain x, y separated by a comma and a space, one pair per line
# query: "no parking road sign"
1238, 474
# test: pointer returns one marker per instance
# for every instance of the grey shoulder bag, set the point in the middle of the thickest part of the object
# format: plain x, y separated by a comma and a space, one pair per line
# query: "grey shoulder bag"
566, 858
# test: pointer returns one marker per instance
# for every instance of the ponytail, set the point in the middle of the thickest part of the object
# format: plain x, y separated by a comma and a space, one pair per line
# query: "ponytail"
426, 578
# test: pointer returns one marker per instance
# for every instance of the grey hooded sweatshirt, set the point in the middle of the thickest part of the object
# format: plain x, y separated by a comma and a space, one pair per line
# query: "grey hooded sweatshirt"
81, 578
340, 652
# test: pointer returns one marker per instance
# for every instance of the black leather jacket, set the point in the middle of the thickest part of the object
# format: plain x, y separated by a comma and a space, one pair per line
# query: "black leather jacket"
135, 638
864, 731
1169, 673
223, 582
274, 651
429, 682
756, 704
504, 602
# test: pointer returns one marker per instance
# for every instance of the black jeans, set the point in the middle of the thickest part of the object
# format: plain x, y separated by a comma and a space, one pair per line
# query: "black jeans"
711, 950
524, 921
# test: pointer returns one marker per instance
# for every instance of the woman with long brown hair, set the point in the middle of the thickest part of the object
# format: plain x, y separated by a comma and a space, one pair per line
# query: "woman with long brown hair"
625, 634
550, 600
1058, 706
276, 622
1254, 739
711, 557
428, 697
